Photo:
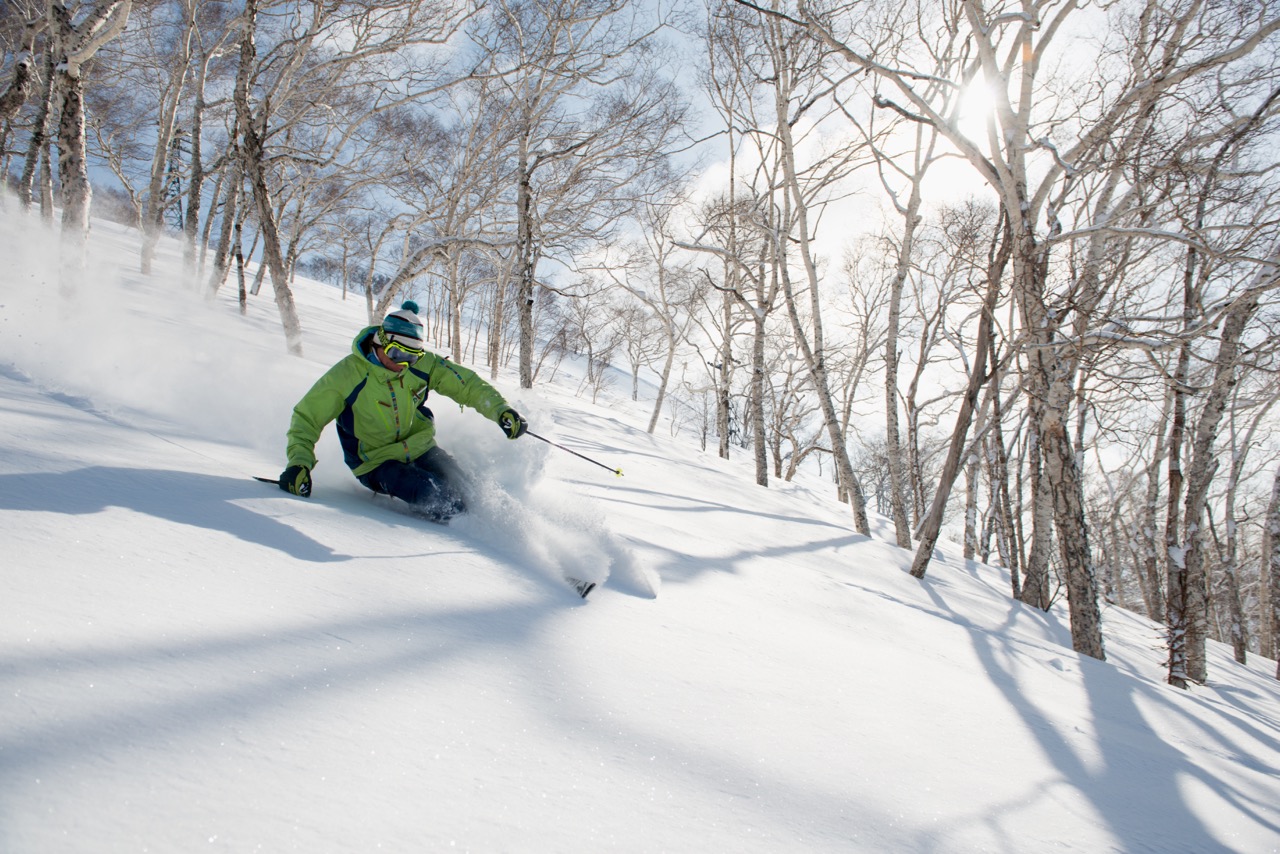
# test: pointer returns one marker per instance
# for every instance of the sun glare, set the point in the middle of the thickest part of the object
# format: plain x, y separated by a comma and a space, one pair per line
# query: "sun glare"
977, 106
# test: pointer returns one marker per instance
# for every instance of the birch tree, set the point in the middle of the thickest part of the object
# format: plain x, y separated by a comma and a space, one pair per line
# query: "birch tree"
911, 218
1011, 45
1271, 557
76, 39
769, 80
316, 51
455, 171
1227, 591
797, 103
721, 79
592, 111
15, 94
662, 282
743, 228
183, 46
754, 288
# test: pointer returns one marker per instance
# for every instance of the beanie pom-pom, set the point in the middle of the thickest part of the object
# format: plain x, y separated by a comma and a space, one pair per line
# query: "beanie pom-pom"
410, 305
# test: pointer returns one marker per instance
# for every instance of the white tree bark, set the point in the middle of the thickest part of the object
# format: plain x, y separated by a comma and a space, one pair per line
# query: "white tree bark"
15, 95
1271, 558
78, 44
170, 100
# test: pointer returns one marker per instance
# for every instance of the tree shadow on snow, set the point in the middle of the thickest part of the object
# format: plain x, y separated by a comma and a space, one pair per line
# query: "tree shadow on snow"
188, 498
1135, 781
231, 683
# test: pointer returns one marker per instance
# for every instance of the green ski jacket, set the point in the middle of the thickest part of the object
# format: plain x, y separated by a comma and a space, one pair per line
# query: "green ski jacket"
381, 415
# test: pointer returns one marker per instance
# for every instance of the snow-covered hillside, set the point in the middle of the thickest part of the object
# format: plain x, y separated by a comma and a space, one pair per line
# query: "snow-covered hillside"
193, 661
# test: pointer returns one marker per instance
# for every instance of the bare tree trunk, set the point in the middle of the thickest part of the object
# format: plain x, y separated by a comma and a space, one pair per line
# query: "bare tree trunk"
1228, 589
255, 168
931, 528
1073, 542
1189, 635
759, 445
724, 373
1050, 386
38, 146
893, 440
1266, 640
1036, 589
242, 292
498, 319
212, 213
1188, 584
73, 173
1271, 558
1175, 560
166, 126
15, 96
664, 379
971, 478
1007, 534
814, 354
79, 44
46, 174
526, 263
915, 460
195, 184
911, 219
453, 285
1145, 531
733, 282
230, 219
261, 274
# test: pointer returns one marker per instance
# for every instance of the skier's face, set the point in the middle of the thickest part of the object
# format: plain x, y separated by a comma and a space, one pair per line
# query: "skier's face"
387, 362
402, 353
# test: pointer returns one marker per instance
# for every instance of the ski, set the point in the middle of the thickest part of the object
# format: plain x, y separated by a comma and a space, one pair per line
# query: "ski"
583, 587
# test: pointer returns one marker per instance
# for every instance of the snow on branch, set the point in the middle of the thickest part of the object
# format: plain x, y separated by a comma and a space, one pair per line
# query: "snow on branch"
104, 24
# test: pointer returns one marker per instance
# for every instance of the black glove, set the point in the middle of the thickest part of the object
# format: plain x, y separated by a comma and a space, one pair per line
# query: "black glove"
296, 480
511, 423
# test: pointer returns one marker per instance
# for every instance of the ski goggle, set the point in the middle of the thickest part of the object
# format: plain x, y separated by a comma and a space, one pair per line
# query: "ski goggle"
398, 351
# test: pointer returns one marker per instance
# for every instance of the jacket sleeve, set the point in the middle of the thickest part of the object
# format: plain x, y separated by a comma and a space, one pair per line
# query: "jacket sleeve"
466, 387
323, 403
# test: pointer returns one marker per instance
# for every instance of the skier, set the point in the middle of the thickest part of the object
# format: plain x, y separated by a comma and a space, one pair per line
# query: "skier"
377, 395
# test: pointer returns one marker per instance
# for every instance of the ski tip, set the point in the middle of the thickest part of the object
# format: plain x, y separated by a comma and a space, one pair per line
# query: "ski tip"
582, 587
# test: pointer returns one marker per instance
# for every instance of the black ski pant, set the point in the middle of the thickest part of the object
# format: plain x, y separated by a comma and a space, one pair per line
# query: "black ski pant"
430, 484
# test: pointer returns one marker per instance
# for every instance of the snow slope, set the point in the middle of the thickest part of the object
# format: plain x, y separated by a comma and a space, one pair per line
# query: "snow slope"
193, 661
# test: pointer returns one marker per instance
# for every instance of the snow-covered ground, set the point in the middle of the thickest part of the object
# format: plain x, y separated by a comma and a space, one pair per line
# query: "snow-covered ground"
193, 661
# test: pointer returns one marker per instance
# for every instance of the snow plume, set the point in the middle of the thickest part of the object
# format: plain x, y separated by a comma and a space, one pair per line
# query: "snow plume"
119, 343
531, 521
128, 348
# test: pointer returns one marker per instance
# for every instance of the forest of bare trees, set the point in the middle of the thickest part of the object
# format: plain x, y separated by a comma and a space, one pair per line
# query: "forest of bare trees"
1004, 271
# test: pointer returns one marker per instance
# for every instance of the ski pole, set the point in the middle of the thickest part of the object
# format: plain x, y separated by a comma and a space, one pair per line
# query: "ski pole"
618, 472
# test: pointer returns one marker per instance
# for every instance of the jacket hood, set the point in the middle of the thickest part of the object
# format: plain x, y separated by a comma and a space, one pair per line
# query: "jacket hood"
357, 343
362, 344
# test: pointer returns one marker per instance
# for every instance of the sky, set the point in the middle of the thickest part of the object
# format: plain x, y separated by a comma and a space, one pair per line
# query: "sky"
194, 661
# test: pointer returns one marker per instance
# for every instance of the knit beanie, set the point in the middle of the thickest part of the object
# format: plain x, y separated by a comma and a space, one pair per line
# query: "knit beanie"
403, 325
